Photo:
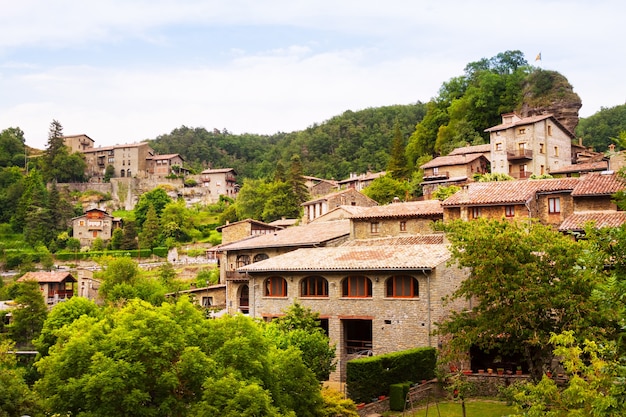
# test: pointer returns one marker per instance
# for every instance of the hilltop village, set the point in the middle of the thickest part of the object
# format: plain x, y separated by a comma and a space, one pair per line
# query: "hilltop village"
377, 274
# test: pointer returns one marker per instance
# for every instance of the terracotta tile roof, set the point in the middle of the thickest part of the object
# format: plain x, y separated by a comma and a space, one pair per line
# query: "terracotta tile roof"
408, 209
335, 194
363, 177
251, 221
598, 184
506, 192
528, 121
584, 167
165, 156
577, 221
450, 160
471, 149
218, 171
44, 276
355, 258
432, 239
109, 148
307, 235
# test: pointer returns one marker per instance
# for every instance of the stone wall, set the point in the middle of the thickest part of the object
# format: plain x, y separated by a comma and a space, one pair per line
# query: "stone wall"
362, 228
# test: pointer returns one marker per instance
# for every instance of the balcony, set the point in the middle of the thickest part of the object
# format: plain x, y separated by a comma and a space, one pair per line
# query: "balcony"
519, 154
236, 276
440, 175
521, 175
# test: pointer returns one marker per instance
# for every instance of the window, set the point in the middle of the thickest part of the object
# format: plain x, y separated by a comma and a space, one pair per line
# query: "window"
509, 211
549, 130
374, 227
475, 212
243, 260
554, 205
402, 286
522, 131
207, 301
260, 257
314, 286
275, 287
435, 170
122, 173
403, 226
499, 146
358, 286
542, 170
541, 149
556, 151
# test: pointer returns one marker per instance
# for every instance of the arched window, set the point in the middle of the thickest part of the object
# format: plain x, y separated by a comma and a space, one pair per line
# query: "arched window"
314, 286
243, 260
122, 173
244, 299
357, 286
260, 257
402, 286
275, 287
128, 172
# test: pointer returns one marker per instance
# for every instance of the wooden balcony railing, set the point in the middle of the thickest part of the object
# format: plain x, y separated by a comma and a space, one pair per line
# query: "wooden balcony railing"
519, 154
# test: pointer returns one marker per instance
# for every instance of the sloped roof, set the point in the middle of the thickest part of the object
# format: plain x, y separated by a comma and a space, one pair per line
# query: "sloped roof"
166, 156
431, 239
408, 209
528, 121
218, 171
450, 160
335, 194
366, 257
45, 276
251, 221
471, 149
506, 192
308, 235
577, 221
598, 184
583, 167
109, 148
363, 177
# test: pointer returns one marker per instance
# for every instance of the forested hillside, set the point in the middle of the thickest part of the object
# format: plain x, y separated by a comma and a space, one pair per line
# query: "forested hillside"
357, 141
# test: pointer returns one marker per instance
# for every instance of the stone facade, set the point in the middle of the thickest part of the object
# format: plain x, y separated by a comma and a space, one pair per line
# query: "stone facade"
350, 197
521, 147
78, 143
164, 165
220, 182
232, 232
128, 160
95, 223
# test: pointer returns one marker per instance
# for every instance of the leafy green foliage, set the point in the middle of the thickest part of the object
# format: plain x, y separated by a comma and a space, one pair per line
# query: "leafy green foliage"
598, 129
592, 387
385, 189
398, 166
527, 281
124, 281
16, 398
490, 177
442, 193
29, 315
157, 198
57, 163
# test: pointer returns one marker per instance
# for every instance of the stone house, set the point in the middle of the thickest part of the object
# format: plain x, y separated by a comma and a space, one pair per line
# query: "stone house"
374, 296
94, 223
537, 145
320, 206
359, 182
222, 181
551, 201
236, 255
55, 286
78, 143
130, 160
451, 169
164, 165
319, 186
232, 232
396, 219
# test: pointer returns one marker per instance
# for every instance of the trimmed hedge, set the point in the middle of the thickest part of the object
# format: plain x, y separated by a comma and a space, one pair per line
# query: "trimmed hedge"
372, 376
160, 251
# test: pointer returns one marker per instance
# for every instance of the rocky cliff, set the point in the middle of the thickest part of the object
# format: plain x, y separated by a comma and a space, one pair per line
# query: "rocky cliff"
550, 92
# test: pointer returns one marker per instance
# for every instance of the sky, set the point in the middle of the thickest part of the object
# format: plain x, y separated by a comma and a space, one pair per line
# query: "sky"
123, 71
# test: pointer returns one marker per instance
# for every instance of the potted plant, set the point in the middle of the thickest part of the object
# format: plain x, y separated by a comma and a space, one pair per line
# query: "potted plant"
519, 370
467, 372
489, 371
481, 371
500, 371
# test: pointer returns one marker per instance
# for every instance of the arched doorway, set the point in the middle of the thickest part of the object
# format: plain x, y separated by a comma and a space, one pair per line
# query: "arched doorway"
244, 299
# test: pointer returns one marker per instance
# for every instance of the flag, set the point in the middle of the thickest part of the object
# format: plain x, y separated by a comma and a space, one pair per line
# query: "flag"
538, 57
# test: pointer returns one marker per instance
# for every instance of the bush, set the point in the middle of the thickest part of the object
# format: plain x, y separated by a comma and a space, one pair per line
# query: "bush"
160, 251
371, 377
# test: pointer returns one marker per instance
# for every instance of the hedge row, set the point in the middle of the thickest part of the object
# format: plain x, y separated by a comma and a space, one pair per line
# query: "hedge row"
134, 253
370, 377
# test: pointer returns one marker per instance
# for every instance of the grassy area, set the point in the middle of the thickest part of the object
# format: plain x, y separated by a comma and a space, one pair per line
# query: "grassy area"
473, 408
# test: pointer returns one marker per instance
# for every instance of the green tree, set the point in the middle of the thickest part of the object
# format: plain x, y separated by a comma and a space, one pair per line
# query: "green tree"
300, 328
11, 188
398, 167
527, 281
29, 315
156, 198
385, 189
129, 236
593, 387
16, 398
281, 202
598, 129
123, 281
63, 314
251, 199
34, 196
12, 147
116, 239
109, 172
295, 177
177, 221
441, 193
149, 236
57, 162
